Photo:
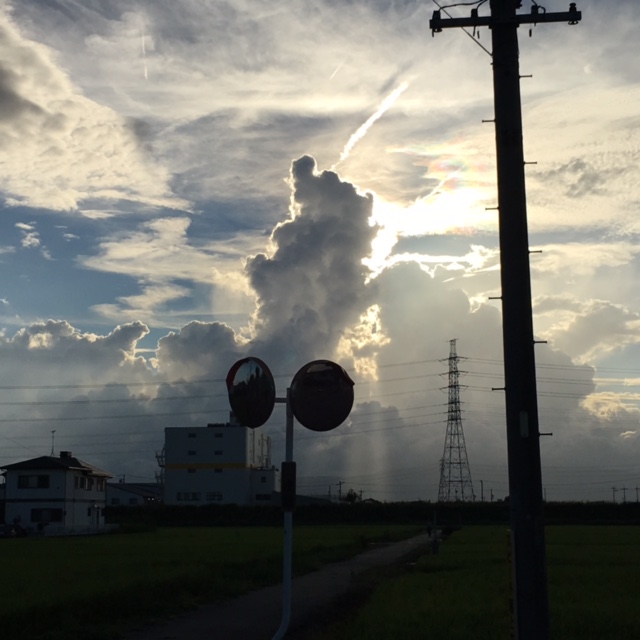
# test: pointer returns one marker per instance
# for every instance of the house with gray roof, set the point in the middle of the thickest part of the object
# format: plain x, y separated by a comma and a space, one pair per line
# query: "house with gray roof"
55, 494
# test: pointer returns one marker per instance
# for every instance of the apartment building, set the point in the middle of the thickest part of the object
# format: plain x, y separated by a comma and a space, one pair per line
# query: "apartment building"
219, 463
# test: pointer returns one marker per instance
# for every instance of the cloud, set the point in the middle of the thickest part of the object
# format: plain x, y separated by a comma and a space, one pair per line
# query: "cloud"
198, 350
241, 75
314, 300
172, 265
30, 240
386, 104
65, 148
124, 107
312, 286
599, 329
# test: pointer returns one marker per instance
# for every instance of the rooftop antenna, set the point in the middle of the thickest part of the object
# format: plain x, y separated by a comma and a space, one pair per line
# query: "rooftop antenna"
53, 439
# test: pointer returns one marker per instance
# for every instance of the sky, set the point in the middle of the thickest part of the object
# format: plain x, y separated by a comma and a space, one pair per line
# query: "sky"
187, 183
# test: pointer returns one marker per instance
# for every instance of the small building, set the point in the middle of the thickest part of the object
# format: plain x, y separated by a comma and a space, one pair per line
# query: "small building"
133, 494
55, 494
219, 463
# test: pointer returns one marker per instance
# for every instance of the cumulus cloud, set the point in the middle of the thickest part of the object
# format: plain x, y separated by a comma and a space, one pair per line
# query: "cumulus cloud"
29, 350
310, 290
313, 284
198, 349
208, 102
315, 299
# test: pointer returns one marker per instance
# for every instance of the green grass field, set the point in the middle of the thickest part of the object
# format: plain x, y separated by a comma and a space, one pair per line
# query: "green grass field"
88, 588
463, 592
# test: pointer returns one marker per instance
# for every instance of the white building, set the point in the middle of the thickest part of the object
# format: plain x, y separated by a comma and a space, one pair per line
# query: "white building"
219, 463
52, 494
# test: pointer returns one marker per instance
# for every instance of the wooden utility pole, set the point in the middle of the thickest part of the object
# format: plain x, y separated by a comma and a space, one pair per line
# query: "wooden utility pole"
531, 607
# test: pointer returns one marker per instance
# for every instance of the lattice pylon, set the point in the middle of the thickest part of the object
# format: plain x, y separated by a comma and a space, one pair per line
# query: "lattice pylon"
455, 474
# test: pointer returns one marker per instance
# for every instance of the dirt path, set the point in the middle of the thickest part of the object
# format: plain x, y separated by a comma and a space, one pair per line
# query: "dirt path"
257, 614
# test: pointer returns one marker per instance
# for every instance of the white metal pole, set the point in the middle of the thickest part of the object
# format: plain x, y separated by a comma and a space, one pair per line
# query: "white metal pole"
287, 562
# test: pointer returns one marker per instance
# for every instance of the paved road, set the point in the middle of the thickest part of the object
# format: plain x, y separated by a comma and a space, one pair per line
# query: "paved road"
257, 615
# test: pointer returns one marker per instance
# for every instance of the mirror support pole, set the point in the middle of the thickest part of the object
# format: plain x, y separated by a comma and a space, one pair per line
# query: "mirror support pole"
287, 563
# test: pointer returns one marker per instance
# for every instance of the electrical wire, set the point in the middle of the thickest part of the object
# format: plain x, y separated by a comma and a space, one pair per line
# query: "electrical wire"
463, 4
444, 9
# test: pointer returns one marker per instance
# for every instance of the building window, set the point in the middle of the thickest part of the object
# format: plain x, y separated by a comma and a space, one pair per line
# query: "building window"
46, 515
33, 482
100, 484
218, 435
186, 496
191, 435
263, 479
213, 496
133, 501
80, 482
115, 501
262, 497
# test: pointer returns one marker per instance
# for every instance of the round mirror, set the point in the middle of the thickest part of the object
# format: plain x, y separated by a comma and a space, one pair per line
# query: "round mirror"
321, 395
252, 392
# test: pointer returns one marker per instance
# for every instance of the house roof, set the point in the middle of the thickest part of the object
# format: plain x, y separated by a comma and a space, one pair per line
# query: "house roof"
65, 462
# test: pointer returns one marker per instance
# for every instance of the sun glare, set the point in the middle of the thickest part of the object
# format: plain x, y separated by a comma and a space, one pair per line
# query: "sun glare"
457, 212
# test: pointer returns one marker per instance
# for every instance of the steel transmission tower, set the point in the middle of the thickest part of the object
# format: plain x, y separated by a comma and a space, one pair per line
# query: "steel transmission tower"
455, 475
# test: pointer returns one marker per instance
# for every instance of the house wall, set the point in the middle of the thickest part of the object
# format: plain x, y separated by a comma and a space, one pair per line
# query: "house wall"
217, 464
64, 502
86, 500
22, 502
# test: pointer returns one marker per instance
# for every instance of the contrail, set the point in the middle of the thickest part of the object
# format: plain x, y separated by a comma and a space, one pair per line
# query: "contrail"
450, 176
362, 130
144, 51
336, 71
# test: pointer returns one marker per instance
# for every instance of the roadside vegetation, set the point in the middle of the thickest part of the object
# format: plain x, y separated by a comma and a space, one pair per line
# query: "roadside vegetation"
92, 587
463, 591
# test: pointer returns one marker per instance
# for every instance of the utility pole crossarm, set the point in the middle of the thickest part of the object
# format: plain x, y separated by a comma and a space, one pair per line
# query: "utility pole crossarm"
437, 23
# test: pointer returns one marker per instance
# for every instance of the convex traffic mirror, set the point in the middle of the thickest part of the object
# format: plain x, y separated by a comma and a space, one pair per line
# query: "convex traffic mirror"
252, 392
321, 395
